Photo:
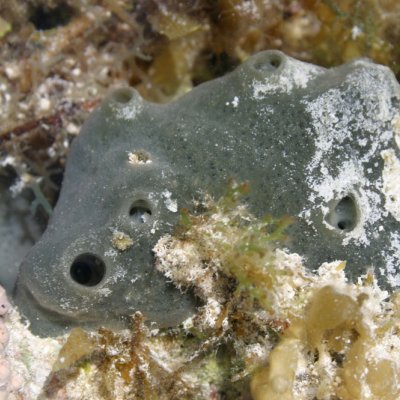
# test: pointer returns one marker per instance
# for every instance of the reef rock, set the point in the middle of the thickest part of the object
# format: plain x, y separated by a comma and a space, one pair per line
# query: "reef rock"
319, 145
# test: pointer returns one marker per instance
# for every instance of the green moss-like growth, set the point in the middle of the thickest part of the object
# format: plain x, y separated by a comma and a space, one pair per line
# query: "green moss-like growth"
246, 249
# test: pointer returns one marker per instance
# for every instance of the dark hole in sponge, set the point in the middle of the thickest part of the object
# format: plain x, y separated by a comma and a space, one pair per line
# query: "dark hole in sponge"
123, 95
87, 270
269, 64
344, 215
140, 211
275, 61
45, 18
344, 224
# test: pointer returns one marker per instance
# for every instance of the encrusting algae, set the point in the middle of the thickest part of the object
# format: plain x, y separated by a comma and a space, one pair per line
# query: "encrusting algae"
266, 328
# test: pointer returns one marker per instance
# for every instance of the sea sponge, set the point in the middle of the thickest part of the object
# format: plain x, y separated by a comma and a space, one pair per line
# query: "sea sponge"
308, 140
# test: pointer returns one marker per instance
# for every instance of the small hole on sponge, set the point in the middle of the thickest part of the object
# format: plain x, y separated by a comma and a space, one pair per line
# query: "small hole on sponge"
344, 215
87, 270
275, 61
270, 64
140, 211
123, 95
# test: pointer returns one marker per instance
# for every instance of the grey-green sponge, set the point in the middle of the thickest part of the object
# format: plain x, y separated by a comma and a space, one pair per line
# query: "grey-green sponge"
316, 144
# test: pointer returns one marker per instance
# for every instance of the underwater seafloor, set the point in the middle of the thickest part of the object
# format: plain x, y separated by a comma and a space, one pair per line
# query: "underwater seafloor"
267, 327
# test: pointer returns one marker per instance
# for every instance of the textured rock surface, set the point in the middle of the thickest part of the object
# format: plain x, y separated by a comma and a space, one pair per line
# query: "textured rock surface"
316, 144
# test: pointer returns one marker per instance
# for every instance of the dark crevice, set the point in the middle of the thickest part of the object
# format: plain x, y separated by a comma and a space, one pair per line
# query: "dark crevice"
44, 18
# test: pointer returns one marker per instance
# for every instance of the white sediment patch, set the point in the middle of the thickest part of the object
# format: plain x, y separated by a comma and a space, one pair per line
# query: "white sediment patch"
293, 75
391, 182
393, 261
127, 104
170, 203
396, 129
334, 124
128, 112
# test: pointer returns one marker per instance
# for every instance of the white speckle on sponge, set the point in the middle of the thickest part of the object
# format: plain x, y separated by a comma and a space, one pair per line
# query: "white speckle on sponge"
391, 182
334, 124
171, 204
126, 104
393, 261
396, 129
294, 75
